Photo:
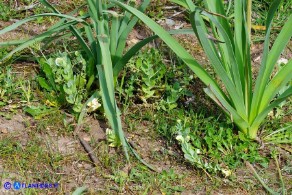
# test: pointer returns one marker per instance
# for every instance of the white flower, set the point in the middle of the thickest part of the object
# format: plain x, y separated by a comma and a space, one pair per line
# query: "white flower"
180, 138
108, 131
93, 105
282, 61
60, 61
226, 172
271, 114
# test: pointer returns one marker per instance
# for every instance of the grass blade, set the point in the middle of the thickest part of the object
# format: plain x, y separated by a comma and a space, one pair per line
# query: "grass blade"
21, 22
38, 38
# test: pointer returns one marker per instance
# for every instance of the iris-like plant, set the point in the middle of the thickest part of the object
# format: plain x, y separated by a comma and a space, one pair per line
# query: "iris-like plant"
228, 49
102, 34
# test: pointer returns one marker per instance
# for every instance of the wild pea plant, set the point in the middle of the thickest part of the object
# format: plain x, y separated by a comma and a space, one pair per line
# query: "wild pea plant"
153, 81
149, 71
228, 49
153, 71
60, 78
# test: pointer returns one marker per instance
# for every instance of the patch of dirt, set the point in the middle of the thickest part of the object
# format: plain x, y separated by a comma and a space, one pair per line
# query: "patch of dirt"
15, 125
12, 125
97, 131
22, 32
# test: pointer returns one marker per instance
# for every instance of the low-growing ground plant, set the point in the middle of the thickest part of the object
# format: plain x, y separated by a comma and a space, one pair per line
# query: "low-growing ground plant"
208, 142
5, 11
144, 77
59, 77
211, 145
7, 84
148, 79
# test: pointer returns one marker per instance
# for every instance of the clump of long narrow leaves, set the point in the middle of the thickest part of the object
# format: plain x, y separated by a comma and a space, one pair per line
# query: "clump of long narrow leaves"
102, 34
230, 57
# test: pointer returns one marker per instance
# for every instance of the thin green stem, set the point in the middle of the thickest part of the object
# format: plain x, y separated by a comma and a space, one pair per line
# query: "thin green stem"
259, 178
280, 176
249, 10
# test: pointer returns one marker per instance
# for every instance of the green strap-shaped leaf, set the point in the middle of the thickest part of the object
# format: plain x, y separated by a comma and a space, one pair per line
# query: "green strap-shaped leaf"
74, 30
21, 22
218, 8
211, 52
230, 55
263, 114
264, 72
114, 36
106, 81
127, 22
92, 8
238, 37
38, 38
191, 5
276, 84
13, 42
126, 27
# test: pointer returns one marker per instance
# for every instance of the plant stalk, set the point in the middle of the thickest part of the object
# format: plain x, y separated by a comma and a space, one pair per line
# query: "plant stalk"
259, 178
248, 17
280, 176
